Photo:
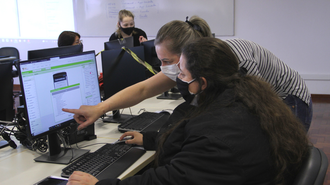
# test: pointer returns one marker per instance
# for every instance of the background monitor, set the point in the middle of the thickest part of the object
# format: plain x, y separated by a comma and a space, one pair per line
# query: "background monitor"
151, 56
6, 92
120, 70
41, 53
53, 83
128, 42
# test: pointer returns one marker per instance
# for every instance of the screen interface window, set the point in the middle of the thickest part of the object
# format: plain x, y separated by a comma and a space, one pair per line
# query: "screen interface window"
50, 85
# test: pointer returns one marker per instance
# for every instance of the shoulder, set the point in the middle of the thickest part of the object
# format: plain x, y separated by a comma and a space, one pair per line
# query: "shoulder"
239, 44
140, 32
225, 116
114, 36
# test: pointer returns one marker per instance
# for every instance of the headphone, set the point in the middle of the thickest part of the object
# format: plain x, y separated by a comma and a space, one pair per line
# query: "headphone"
6, 137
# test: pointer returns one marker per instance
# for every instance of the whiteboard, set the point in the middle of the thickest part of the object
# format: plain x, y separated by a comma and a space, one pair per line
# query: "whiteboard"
99, 17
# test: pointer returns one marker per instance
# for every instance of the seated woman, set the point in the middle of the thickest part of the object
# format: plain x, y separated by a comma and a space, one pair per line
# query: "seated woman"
126, 28
68, 38
232, 129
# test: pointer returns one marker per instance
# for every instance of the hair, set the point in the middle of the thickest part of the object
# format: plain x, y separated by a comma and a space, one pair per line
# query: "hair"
178, 33
67, 38
121, 14
213, 59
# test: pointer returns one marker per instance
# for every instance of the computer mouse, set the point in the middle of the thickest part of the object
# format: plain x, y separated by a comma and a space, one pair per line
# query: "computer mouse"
124, 139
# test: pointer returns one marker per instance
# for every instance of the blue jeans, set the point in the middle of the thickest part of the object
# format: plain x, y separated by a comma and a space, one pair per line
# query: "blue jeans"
300, 109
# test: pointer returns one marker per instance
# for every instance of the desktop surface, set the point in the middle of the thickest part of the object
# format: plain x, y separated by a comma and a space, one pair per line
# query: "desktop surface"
3, 143
18, 165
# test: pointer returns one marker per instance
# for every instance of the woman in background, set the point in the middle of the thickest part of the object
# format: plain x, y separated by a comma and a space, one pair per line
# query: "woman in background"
68, 38
126, 28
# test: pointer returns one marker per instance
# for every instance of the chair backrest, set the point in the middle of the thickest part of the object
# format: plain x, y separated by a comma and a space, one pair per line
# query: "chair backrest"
314, 168
9, 51
13, 52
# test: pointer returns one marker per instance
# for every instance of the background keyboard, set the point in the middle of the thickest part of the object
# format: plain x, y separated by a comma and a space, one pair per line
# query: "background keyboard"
147, 121
109, 161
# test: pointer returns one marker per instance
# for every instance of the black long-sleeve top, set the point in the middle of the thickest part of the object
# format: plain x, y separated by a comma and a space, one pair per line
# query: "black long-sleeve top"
224, 145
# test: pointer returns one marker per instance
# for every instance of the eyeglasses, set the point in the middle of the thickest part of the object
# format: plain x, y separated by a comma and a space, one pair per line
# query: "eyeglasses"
78, 42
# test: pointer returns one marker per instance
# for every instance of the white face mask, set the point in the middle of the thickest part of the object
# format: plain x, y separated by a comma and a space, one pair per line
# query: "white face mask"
171, 71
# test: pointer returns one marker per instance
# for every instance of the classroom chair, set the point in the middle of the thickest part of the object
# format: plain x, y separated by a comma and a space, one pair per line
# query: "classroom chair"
314, 168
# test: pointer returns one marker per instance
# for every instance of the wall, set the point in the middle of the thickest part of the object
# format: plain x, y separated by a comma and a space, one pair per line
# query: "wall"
99, 17
297, 31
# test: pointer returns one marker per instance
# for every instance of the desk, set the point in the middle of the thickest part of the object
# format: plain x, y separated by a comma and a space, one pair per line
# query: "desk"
17, 166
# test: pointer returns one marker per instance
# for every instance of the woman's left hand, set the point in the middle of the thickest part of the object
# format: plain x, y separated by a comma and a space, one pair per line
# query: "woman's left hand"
82, 178
142, 39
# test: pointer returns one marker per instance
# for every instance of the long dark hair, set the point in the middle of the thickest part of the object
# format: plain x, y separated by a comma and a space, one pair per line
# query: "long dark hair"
67, 38
213, 59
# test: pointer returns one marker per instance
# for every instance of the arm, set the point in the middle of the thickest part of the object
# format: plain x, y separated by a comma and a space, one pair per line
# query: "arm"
128, 97
113, 37
192, 165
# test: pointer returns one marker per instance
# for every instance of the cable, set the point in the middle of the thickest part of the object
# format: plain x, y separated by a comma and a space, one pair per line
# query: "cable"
99, 53
144, 63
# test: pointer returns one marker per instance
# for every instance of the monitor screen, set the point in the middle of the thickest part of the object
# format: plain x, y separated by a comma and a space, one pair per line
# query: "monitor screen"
41, 53
128, 42
53, 83
6, 92
121, 70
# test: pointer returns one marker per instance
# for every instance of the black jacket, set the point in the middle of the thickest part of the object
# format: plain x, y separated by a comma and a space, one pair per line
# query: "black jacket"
224, 145
136, 35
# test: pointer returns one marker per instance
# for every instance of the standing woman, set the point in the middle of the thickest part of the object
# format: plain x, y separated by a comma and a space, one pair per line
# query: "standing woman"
126, 28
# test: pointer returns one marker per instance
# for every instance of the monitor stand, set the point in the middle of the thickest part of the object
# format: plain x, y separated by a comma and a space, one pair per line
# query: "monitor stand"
59, 155
117, 117
169, 96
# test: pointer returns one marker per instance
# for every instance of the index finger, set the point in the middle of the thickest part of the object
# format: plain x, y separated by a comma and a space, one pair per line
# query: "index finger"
69, 110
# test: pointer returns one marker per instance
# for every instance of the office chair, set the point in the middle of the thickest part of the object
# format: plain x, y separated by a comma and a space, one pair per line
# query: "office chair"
314, 168
11, 51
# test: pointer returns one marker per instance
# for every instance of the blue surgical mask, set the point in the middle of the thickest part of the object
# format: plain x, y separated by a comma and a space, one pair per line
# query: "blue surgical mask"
171, 71
184, 89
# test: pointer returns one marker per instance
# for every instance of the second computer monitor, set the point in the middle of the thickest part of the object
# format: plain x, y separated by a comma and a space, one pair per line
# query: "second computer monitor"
120, 72
128, 42
151, 56
41, 53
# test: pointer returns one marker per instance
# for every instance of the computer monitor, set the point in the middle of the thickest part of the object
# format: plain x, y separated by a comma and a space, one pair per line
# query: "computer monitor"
128, 42
53, 83
41, 53
151, 58
120, 70
6, 92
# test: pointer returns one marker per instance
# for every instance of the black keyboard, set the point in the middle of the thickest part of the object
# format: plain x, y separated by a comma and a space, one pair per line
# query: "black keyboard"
147, 121
109, 161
